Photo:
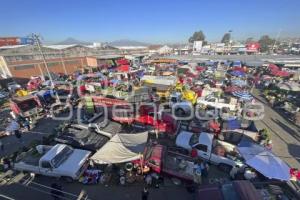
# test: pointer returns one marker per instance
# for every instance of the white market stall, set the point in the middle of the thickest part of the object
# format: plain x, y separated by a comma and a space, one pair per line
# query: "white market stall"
121, 148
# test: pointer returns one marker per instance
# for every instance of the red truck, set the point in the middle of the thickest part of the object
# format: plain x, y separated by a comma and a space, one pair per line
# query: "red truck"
162, 160
145, 115
34, 83
26, 106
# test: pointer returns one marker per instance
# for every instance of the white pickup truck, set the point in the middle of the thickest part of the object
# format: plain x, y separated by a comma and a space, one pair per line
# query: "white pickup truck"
217, 152
212, 101
57, 161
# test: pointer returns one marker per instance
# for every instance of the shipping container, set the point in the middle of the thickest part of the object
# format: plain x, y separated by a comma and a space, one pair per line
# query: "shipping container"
6, 41
26, 40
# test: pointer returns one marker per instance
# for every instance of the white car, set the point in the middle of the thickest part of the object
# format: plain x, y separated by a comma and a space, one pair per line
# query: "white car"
207, 149
212, 101
60, 161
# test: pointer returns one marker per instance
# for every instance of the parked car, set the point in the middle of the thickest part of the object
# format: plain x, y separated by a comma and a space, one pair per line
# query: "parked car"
81, 138
215, 151
13, 86
171, 163
212, 101
60, 161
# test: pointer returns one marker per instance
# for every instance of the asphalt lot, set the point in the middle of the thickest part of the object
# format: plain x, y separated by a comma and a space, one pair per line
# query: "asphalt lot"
284, 134
286, 144
255, 60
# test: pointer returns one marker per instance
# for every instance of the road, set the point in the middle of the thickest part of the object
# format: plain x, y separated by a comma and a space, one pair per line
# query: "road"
255, 60
284, 134
44, 128
39, 188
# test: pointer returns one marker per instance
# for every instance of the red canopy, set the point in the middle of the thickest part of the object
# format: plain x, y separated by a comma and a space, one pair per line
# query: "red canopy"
232, 88
273, 67
275, 71
282, 73
200, 68
238, 69
123, 62
123, 68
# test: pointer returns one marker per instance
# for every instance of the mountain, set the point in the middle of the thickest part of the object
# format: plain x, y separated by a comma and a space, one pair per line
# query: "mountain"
124, 42
70, 40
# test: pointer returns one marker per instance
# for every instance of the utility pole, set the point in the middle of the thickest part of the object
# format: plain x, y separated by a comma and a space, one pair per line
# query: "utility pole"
38, 42
277, 37
63, 62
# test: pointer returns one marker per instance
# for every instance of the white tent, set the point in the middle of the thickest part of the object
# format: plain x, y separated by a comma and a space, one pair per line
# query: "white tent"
264, 161
121, 148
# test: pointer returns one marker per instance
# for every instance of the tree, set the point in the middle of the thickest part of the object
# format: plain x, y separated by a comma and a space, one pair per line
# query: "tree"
197, 36
265, 43
226, 38
248, 40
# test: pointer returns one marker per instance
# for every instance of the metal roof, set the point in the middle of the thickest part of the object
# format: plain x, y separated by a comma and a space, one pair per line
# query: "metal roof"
13, 46
60, 47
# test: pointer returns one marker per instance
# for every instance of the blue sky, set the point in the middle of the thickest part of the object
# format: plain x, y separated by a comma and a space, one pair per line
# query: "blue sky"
155, 21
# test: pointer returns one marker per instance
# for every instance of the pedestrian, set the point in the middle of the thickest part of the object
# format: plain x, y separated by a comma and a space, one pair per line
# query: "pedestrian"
1, 146
13, 128
145, 193
194, 153
18, 135
234, 172
148, 180
204, 168
27, 124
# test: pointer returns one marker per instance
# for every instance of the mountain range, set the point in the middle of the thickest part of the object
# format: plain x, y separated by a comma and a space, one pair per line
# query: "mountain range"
116, 43
70, 40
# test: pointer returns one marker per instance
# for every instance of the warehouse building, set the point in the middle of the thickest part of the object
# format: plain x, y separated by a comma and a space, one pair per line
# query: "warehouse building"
24, 61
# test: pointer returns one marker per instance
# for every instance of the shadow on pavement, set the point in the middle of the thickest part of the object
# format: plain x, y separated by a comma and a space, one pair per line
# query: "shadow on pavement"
293, 133
294, 150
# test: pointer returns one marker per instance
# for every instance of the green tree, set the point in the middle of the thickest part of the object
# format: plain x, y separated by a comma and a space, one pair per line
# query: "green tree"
265, 43
226, 38
250, 39
197, 36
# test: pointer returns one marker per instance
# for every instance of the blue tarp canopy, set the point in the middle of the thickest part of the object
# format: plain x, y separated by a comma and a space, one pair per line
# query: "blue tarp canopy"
232, 124
264, 161
252, 127
239, 82
237, 73
243, 95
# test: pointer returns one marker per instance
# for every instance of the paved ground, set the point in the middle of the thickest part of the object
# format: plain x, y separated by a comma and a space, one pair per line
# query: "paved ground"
255, 60
43, 128
284, 134
286, 144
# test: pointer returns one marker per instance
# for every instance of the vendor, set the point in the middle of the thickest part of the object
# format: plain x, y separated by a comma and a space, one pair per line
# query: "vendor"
250, 174
263, 136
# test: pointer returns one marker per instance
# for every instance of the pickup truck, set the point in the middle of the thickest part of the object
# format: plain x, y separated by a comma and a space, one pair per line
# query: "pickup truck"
215, 151
81, 137
60, 161
215, 102
26, 106
163, 160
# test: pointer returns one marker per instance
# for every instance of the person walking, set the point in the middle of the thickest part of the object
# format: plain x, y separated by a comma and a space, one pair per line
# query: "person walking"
1, 146
14, 128
145, 193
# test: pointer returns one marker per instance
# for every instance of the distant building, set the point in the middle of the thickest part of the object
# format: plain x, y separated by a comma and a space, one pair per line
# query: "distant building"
153, 49
165, 50
252, 47
24, 61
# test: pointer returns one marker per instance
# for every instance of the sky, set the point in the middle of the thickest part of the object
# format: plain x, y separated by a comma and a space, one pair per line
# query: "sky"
152, 21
